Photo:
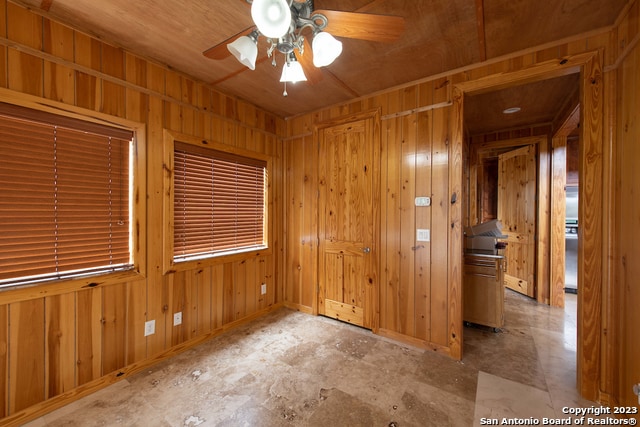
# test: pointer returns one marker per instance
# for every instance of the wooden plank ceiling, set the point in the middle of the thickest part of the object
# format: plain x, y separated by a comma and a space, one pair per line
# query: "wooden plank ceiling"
440, 35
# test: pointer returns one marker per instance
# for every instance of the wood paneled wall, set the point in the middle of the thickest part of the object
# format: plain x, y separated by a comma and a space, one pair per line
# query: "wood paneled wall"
420, 293
59, 342
625, 232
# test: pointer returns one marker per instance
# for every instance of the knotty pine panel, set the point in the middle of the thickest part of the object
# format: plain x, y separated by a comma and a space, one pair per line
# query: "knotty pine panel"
60, 343
4, 360
60, 80
628, 235
440, 202
423, 250
26, 354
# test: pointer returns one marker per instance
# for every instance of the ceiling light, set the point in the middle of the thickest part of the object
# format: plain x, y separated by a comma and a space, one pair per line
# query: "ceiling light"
282, 22
511, 110
245, 49
292, 71
272, 17
325, 49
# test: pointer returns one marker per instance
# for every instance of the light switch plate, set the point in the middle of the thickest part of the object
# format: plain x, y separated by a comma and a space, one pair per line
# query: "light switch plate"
149, 327
423, 201
177, 318
423, 235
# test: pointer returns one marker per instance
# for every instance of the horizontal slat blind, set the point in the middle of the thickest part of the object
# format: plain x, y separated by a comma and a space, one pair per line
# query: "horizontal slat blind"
64, 208
218, 202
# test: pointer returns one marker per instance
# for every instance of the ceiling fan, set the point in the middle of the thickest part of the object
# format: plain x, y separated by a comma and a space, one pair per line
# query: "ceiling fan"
285, 22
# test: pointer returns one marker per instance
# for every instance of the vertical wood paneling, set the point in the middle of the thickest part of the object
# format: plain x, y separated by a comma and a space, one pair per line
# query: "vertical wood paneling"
407, 168
240, 289
543, 266
391, 303
88, 53
59, 83
423, 221
75, 337
590, 211
137, 102
113, 94
558, 216
228, 294
88, 335
136, 346
204, 299
26, 354
114, 327
628, 232
4, 359
217, 295
178, 284
454, 280
440, 201
60, 344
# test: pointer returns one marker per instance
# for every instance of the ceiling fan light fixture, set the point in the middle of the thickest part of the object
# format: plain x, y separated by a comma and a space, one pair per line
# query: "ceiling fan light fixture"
292, 71
245, 49
326, 49
272, 17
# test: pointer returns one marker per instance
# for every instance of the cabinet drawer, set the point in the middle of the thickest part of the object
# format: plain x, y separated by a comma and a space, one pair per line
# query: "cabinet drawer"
481, 270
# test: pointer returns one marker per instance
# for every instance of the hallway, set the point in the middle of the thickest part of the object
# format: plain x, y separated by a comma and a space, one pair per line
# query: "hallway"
289, 368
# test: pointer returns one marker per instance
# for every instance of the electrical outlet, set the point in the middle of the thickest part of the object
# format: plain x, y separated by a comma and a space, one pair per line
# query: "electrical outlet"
149, 327
263, 288
177, 318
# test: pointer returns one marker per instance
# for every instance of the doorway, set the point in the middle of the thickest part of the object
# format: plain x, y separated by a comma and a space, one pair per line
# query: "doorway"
589, 299
348, 242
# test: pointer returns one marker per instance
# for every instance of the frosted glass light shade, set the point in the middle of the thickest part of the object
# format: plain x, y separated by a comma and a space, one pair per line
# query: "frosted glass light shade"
292, 72
245, 49
325, 49
272, 17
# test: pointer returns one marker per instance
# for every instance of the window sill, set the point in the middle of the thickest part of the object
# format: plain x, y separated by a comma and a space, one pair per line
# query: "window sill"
26, 292
217, 259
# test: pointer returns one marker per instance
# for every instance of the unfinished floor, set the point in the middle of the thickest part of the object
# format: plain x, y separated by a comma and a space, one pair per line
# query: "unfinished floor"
289, 368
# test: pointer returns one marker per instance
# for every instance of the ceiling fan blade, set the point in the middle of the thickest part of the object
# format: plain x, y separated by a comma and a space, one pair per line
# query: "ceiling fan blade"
220, 50
314, 74
365, 26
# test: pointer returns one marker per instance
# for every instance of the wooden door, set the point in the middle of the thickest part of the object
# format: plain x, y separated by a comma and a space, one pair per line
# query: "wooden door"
517, 211
347, 221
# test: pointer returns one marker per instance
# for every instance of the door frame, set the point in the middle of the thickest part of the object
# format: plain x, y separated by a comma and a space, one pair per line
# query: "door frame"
374, 296
593, 215
543, 232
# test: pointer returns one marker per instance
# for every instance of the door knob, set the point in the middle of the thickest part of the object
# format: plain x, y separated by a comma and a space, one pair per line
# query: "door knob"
366, 250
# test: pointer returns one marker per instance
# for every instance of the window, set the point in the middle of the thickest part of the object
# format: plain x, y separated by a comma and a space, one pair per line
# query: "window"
65, 205
218, 203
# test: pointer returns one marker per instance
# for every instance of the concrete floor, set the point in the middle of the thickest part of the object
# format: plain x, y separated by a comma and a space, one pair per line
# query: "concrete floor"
289, 368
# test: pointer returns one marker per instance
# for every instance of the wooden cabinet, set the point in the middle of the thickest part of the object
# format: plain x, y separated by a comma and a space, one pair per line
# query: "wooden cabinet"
483, 289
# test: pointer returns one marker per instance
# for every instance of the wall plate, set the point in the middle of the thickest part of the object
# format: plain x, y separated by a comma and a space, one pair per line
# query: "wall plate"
423, 201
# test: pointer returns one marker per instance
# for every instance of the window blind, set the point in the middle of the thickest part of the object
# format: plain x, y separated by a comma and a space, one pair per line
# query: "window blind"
218, 202
64, 205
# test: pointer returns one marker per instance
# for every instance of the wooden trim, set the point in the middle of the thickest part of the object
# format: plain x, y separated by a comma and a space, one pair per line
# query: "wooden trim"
590, 208
590, 254
558, 215
372, 315
456, 325
169, 266
449, 73
138, 222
